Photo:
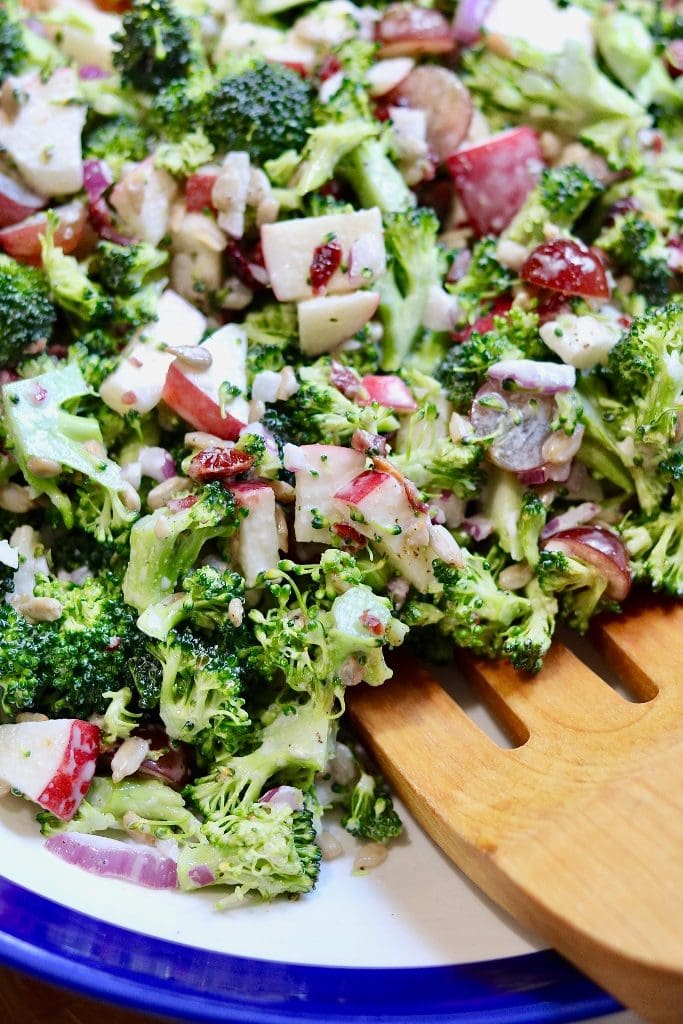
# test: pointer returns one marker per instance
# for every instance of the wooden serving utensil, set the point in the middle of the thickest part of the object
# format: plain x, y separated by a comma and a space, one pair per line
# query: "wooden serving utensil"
578, 830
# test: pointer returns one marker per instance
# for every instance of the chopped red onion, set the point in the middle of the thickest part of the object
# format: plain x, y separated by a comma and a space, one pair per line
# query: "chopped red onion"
201, 874
284, 796
111, 858
558, 472
578, 515
533, 375
156, 463
96, 179
90, 72
478, 527
469, 19
174, 766
370, 444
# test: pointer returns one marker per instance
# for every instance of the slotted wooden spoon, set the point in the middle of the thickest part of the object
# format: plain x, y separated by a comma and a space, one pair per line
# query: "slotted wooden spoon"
578, 831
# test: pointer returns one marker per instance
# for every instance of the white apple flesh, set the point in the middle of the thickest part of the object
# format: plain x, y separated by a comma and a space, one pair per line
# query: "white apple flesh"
320, 470
328, 320
43, 136
50, 763
257, 537
376, 505
289, 246
143, 201
138, 381
195, 394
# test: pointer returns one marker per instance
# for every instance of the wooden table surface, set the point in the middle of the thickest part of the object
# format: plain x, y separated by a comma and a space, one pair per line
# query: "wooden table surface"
24, 1000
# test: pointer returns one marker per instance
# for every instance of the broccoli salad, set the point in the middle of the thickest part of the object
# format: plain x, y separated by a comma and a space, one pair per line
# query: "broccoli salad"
325, 329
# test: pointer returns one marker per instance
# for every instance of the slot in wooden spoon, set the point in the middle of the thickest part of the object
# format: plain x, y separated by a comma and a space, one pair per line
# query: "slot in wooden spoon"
577, 831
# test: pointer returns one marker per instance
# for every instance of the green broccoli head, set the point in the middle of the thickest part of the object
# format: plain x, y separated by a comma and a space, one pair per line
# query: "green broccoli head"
369, 811
320, 412
579, 587
21, 663
638, 248
527, 643
265, 110
166, 544
484, 281
117, 141
204, 602
154, 46
561, 196
265, 853
292, 747
123, 269
655, 546
12, 48
200, 700
27, 311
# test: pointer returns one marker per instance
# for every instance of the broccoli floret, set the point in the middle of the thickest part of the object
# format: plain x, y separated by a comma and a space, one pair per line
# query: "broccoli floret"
117, 142
154, 46
70, 287
484, 281
265, 853
465, 367
561, 196
527, 643
415, 266
579, 587
292, 748
21, 653
161, 554
492, 622
320, 412
27, 312
13, 51
118, 720
204, 599
655, 547
532, 518
370, 813
264, 110
272, 336
427, 455
564, 92
146, 806
124, 269
631, 423
67, 665
179, 106
200, 699
638, 248
46, 440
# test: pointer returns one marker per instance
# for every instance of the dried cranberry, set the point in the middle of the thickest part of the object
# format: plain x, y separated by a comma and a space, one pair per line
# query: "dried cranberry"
567, 266
371, 623
219, 464
326, 260
245, 263
329, 67
347, 381
353, 540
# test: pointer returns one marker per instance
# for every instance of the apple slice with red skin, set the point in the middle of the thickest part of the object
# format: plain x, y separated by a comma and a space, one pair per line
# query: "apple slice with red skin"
600, 548
376, 505
195, 393
567, 266
22, 240
257, 547
16, 201
51, 763
406, 30
320, 470
390, 391
493, 178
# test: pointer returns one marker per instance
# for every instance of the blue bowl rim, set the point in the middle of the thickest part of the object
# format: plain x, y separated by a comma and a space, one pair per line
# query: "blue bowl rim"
157, 976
